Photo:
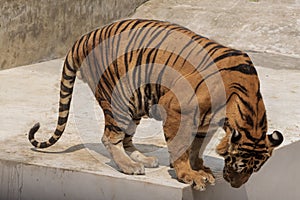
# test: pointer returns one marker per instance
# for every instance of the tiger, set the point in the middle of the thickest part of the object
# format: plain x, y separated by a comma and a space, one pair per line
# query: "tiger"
141, 68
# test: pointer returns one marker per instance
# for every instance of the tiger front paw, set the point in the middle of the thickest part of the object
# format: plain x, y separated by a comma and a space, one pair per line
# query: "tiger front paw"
197, 179
131, 168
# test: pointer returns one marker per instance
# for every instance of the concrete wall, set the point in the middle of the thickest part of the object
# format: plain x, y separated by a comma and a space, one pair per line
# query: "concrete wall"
32, 31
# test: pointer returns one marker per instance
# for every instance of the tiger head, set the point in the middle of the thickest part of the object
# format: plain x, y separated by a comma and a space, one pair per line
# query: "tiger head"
246, 146
243, 158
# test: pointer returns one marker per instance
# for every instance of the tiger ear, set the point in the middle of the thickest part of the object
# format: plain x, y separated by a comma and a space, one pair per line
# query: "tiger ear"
235, 136
275, 139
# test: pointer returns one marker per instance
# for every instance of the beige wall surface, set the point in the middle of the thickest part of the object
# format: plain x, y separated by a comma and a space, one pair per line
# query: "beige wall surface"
33, 31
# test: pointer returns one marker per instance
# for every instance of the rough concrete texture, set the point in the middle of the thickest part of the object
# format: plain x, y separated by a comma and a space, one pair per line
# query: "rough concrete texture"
79, 167
43, 30
254, 26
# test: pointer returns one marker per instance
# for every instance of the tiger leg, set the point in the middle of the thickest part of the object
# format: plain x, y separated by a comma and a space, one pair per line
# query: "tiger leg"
112, 139
178, 132
135, 154
195, 156
180, 158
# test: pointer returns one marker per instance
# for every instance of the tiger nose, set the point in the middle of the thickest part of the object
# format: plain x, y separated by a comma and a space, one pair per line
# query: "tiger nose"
236, 184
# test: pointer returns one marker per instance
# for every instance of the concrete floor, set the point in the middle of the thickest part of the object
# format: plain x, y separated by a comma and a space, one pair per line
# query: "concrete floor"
30, 93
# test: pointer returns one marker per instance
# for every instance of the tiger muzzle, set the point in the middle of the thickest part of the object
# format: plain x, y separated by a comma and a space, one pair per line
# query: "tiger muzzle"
235, 179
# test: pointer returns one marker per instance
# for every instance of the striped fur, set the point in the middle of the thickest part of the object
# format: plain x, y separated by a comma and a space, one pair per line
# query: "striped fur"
133, 65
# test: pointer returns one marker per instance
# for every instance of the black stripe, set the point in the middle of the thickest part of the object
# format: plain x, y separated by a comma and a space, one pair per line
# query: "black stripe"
137, 78
140, 99
148, 91
246, 118
69, 67
64, 95
199, 135
71, 79
35, 143
263, 120
198, 37
146, 32
58, 132
43, 145
108, 112
101, 90
106, 81
247, 105
135, 24
127, 25
196, 116
116, 69
253, 152
64, 107
157, 31
111, 75
185, 46
258, 94
223, 56
62, 120
102, 44
121, 88
96, 65
52, 140
137, 70
205, 115
148, 60
85, 49
107, 42
240, 88
120, 23
246, 131
113, 128
33, 130
126, 64
249, 120
120, 119
262, 146
161, 73
243, 68
78, 48
222, 121
88, 57
202, 49
65, 88
72, 52
101, 52
188, 55
139, 32
131, 111
129, 43
202, 81
241, 113
118, 102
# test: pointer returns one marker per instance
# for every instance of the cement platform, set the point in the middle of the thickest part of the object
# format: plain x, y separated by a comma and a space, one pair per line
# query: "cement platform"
79, 167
